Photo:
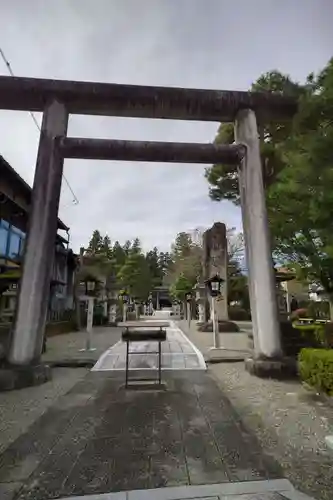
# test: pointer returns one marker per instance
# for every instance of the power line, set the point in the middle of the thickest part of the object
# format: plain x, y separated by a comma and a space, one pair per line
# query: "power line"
7, 63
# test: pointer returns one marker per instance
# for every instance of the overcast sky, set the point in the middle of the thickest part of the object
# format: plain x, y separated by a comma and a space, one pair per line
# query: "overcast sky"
219, 44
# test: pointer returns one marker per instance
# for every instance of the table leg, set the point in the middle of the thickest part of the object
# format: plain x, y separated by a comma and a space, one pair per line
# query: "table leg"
159, 362
127, 362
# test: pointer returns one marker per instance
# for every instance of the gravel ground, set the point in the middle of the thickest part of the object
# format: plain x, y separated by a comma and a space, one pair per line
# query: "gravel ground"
289, 421
67, 346
20, 409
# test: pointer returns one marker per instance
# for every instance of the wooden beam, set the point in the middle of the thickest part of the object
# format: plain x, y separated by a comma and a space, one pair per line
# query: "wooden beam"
110, 99
171, 152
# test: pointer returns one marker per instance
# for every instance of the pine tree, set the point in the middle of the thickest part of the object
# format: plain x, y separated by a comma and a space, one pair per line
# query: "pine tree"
106, 249
95, 243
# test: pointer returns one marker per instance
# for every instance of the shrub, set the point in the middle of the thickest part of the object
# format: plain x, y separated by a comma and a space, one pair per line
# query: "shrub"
299, 313
237, 313
224, 327
296, 337
312, 333
318, 309
58, 327
328, 334
316, 368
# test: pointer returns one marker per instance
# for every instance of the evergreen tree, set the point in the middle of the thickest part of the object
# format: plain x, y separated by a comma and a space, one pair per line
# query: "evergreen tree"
95, 243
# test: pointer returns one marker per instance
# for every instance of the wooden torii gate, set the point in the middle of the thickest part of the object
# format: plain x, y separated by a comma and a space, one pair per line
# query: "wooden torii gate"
56, 99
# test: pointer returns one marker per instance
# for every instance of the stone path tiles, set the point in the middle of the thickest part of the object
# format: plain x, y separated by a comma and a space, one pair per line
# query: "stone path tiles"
100, 438
178, 353
280, 489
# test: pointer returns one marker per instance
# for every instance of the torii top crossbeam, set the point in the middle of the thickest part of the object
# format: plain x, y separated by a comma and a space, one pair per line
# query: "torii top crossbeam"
111, 99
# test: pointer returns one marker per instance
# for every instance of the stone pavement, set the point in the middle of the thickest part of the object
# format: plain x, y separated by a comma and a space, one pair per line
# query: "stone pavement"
290, 422
178, 353
278, 489
100, 438
186, 440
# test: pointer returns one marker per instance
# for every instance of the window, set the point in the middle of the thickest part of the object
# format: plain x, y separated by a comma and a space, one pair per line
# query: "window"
3, 236
12, 240
14, 245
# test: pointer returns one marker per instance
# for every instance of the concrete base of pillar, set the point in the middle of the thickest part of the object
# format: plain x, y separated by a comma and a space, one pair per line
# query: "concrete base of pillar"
17, 377
282, 368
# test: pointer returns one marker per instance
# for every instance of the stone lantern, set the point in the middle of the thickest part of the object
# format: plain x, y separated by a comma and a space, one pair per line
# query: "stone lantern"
281, 277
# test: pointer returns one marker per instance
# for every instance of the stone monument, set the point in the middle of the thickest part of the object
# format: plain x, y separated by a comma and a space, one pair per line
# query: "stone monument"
215, 261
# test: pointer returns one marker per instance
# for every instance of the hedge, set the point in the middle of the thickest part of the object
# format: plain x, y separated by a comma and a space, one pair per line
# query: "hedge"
59, 327
224, 327
320, 333
316, 368
237, 313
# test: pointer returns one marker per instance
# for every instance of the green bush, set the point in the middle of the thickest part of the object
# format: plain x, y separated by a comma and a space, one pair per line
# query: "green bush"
237, 313
59, 327
318, 309
316, 368
224, 327
321, 333
312, 332
299, 313
328, 334
295, 337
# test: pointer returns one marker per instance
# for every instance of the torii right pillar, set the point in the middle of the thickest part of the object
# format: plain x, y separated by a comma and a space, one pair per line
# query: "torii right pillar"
268, 356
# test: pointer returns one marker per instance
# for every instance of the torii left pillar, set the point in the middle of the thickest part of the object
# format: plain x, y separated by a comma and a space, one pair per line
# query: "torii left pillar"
27, 339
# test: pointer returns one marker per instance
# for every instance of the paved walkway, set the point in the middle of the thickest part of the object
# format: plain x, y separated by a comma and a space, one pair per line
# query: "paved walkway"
279, 489
101, 438
178, 353
185, 440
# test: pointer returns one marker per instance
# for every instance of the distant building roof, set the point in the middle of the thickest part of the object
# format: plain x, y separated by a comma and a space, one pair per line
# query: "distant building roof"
9, 173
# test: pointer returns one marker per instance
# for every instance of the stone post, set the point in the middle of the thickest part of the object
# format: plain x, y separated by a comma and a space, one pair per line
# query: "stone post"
215, 261
124, 312
112, 314
201, 313
257, 238
90, 317
27, 340
200, 290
